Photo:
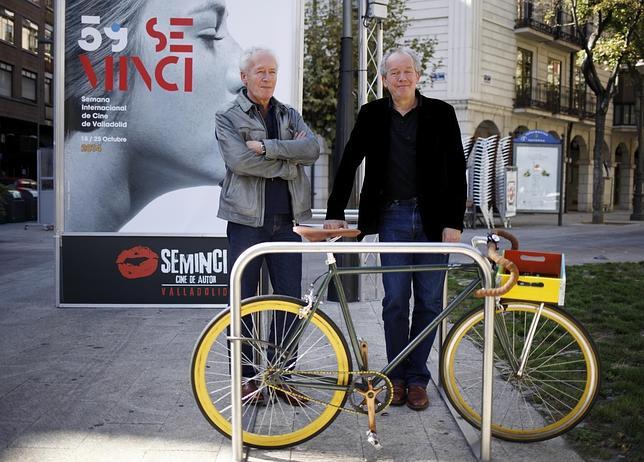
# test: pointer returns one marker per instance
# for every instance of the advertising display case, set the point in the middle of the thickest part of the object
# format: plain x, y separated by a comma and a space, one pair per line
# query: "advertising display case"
138, 83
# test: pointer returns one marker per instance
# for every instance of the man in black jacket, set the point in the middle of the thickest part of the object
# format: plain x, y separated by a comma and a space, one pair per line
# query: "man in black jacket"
414, 191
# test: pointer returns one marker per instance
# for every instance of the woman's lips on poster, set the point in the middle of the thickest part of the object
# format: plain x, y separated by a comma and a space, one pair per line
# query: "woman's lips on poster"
137, 262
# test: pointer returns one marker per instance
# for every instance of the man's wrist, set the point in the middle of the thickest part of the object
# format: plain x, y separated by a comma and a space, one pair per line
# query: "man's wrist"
262, 147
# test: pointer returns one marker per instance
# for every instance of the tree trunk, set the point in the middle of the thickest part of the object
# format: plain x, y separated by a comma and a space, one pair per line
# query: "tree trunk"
598, 167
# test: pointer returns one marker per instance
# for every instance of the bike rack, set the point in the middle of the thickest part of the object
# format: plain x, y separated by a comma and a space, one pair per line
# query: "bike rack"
356, 247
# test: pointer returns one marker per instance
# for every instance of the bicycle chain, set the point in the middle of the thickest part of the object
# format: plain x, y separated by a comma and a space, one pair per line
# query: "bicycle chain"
342, 408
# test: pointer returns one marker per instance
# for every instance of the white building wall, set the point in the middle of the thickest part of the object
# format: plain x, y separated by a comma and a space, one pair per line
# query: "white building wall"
430, 19
498, 52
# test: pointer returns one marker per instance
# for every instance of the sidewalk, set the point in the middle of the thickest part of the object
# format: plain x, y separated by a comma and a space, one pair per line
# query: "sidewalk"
108, 384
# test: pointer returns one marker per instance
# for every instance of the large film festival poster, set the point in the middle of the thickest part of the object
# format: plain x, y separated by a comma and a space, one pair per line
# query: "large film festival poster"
143, 81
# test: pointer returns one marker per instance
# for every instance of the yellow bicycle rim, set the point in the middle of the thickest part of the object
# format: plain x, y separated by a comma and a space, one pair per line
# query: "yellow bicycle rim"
285, 439
518, 434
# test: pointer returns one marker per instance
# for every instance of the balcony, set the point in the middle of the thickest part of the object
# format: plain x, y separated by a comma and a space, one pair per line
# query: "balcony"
624, 115
546, 97
535, 21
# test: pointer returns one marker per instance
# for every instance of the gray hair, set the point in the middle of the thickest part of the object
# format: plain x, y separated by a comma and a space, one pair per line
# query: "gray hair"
404, 50
249, 53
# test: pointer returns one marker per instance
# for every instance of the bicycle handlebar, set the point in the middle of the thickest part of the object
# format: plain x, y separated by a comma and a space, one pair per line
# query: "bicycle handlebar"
492, 254
509, 236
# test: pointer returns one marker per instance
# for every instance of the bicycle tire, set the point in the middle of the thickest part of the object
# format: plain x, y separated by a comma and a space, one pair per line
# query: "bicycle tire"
321, 347
550, 398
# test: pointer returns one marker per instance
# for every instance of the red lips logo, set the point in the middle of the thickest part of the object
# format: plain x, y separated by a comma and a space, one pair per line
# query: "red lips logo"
137, 262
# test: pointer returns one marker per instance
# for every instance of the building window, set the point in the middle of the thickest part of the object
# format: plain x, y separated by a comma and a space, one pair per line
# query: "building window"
553, 84
29, 35
554, 73
35, 2
49, 89
49, 4
48, 43
7, 25
524, 75
29, 80
6, 80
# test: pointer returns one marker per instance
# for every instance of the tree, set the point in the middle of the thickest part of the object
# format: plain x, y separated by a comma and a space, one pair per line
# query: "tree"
610, 31
323, 30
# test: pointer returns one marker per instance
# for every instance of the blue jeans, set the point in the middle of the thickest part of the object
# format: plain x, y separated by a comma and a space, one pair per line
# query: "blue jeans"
285, 271
400, 221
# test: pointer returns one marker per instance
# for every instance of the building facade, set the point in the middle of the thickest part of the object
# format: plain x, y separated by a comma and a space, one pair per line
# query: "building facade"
509, 66
26, 84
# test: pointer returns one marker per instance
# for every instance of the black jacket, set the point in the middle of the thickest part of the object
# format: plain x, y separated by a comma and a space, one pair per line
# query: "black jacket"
441, 180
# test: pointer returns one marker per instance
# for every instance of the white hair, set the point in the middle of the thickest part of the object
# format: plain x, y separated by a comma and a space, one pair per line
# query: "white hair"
249, 53
404, 50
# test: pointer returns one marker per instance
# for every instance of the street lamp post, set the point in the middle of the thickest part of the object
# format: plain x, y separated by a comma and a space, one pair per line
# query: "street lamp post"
639, 167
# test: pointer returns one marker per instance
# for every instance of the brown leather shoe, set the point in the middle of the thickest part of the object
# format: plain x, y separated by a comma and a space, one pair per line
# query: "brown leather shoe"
417, 397
399, 394
251, 394
298, 399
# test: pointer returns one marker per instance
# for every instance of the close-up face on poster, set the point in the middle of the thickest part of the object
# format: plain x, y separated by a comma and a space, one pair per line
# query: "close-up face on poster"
143, 81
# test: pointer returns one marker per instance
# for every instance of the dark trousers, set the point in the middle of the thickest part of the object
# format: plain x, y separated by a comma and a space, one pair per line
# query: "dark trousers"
285, 271
400, 221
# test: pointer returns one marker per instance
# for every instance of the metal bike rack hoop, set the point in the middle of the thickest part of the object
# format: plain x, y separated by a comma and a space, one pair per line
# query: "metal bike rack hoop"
355, 247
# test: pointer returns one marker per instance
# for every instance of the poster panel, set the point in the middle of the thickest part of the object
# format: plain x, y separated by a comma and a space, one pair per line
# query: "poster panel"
120, 269
143, 80
538, 177
510, 192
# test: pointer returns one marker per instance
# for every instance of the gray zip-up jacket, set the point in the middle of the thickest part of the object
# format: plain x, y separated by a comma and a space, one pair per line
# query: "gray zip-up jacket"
242, 198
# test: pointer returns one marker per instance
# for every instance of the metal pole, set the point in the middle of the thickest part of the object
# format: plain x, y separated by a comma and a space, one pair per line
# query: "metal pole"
562, 164
379, 53
357, 247
363, 77
363, 84
235, 359
344, 124
639, 167
344, 118
59, 135
488, 364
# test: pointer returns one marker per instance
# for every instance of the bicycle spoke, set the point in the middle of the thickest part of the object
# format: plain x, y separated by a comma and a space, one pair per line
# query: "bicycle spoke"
544, 400
277, 347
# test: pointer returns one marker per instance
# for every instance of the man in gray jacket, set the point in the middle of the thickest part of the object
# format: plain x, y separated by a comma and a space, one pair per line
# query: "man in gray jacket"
265, 145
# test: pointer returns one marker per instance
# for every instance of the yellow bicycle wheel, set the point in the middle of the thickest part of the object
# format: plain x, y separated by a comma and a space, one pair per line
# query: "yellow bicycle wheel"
317, 368
551, 395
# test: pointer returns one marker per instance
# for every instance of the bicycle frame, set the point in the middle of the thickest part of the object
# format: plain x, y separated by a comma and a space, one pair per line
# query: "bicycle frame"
334, 274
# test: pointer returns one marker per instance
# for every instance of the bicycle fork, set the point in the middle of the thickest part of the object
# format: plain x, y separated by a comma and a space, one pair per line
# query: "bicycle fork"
518, 365
528, 341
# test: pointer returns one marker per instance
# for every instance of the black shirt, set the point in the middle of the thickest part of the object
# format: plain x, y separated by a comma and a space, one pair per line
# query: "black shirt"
278, 198
400, 177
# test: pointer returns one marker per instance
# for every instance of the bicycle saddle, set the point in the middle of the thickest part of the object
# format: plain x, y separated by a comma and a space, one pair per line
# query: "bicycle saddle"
312, 234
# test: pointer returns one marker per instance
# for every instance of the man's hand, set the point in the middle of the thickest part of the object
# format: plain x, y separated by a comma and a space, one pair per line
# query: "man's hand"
255, 146
451, 235
335, 224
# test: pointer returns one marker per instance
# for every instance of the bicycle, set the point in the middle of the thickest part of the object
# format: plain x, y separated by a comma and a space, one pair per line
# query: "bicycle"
546, 367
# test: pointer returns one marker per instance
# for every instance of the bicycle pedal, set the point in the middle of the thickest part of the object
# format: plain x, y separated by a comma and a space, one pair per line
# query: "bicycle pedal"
372, 438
